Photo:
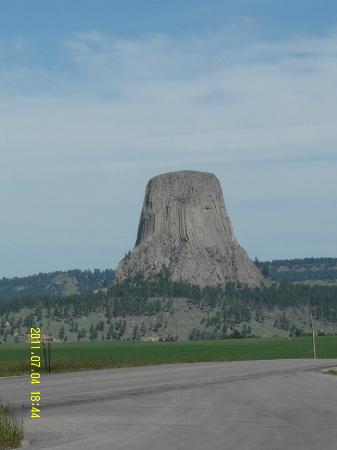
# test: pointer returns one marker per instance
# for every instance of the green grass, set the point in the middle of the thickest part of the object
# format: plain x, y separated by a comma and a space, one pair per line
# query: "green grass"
11, 430
97, 355
332, 371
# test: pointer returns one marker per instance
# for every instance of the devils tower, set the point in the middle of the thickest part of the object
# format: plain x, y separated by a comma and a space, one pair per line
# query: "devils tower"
184, 226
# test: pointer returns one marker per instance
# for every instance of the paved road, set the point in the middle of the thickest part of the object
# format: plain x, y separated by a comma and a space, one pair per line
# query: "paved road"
203, 406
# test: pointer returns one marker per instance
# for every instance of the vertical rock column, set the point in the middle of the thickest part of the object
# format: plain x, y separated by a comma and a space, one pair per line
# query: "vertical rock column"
185, 227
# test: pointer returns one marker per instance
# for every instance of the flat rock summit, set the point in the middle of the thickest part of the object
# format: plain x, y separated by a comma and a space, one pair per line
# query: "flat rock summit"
184, 226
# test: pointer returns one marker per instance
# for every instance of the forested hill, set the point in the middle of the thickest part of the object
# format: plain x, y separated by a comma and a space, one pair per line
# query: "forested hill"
310, 270
161, 309
58, 283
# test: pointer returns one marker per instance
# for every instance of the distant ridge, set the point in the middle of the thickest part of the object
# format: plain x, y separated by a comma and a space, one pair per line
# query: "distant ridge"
59, 283
83, 281
301, 270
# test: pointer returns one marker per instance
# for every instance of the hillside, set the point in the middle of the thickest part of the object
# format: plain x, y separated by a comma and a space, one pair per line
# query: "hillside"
57, 283
157, 309
82, 305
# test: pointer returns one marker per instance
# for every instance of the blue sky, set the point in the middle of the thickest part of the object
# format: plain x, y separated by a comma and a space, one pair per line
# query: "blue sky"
98, 96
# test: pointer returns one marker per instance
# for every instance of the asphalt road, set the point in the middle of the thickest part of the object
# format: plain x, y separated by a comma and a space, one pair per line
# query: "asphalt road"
258, 405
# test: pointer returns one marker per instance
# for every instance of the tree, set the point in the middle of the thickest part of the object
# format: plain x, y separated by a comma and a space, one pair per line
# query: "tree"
93, 333
61, 333
135, 333
81, 334
111, 332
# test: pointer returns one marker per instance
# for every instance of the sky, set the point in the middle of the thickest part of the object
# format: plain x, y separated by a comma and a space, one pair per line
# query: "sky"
98, 96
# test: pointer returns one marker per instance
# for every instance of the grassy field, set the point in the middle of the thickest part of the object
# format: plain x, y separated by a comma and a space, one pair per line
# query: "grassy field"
98, 355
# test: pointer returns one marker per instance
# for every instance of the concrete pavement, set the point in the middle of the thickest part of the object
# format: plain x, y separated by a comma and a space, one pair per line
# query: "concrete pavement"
274, 405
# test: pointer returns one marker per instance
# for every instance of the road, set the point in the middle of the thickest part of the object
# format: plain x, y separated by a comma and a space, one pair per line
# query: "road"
287, 404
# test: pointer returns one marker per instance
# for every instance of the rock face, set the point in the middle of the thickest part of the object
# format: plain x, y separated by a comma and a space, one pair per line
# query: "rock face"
185, 227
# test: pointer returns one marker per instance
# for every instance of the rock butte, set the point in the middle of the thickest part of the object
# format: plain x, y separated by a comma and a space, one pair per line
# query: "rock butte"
184, 226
